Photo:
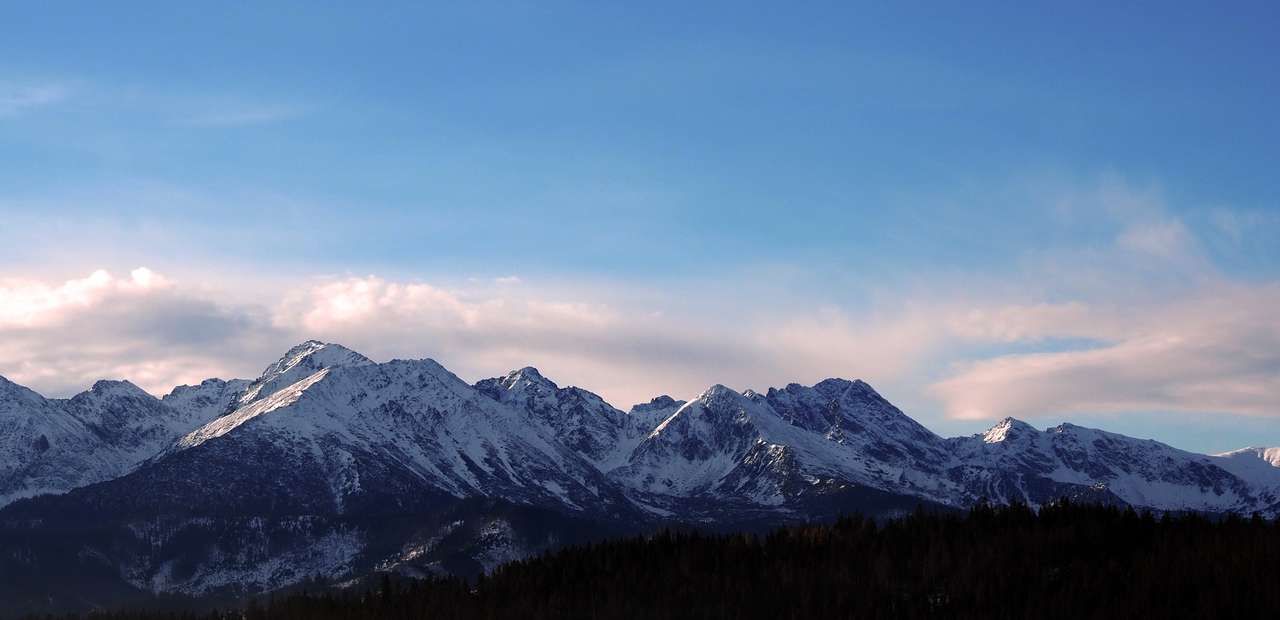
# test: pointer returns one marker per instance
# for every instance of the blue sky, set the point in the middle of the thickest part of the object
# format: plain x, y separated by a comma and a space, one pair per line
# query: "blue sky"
947, 202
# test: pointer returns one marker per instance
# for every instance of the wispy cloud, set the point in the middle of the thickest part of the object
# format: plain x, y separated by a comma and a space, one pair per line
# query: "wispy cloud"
1211, 350
20, 98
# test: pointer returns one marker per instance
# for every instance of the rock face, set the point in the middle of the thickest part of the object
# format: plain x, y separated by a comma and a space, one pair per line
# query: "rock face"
330, 464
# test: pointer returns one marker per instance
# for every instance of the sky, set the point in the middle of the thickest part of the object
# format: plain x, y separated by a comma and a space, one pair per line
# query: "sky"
1055, 213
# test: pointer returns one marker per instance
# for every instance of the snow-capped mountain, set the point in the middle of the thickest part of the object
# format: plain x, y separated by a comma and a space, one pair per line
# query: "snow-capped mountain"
647, 416
359, 425
1013, 461
580, 419
297, 364
43, 448
55, 445
208, 400
331, 464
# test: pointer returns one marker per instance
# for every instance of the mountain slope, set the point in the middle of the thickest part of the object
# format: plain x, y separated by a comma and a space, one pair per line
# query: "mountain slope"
776, 448
206, 401
1013, 461
332, 464
579, 419
339, 472
53, 446
43, 448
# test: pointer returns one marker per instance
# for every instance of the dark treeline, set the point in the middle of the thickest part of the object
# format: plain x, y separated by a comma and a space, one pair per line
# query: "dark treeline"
1066, 561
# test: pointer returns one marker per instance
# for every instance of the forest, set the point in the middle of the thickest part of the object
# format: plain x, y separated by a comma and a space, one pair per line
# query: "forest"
1064, 560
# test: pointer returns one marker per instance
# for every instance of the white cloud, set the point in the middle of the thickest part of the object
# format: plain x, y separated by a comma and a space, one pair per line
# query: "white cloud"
1211, 349
59, 338
1142, 323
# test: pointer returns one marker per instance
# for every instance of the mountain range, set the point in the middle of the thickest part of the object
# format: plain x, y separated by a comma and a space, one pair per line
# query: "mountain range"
332, 466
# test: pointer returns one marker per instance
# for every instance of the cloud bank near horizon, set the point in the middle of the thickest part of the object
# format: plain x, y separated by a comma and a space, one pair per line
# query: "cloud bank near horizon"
1210, 344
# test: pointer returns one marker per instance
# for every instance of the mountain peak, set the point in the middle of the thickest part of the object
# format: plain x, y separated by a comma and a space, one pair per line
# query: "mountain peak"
524, 382
718, 390
530, 375
660, 402
300, 362
1008, 428
323, 352
106, 387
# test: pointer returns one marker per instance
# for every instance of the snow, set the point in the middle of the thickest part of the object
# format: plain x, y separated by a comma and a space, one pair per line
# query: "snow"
55, 445
208, 400
334, 415
298, 363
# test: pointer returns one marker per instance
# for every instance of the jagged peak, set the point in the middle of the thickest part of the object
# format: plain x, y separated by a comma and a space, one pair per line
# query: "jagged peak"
832, 387
332, 354
121, 388
660, 402
525, 381
833, 384
719, 389
528, 375
1066, 427
211, 383
1007, 428
298, 363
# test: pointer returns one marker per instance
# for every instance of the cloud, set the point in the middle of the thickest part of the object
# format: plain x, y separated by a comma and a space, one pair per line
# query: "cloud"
1166, 239
1139, 322
59, 338
1213, 350
17, 99
485, 329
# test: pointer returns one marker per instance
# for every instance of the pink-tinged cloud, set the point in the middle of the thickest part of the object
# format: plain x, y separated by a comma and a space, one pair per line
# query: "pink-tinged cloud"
1211, 348
60, 337
1216, 350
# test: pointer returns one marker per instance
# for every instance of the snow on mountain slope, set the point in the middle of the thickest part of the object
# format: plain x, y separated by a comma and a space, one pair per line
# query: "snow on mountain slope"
133, 424
774, 448
208, 400
55, 445
418, 421
331, 464
1258, 466
42, 446
1269, 456
580, 419
347, 444
647, 416
1013, 461
522, 437
299, 363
